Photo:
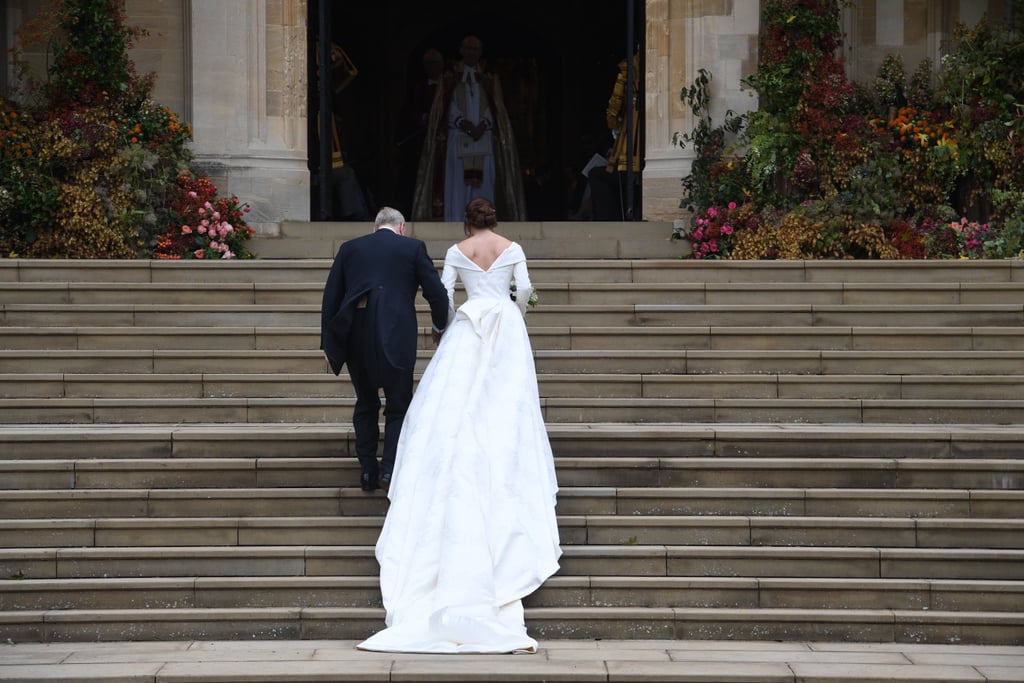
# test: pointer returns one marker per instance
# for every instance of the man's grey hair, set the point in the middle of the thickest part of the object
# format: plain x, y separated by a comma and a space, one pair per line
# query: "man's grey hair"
390, 217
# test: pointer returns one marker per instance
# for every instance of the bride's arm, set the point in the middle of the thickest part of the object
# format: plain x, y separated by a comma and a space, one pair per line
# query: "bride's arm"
524, 287
448, 277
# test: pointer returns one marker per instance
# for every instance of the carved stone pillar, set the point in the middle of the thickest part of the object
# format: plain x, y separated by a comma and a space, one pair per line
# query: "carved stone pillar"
248, 103
684, 36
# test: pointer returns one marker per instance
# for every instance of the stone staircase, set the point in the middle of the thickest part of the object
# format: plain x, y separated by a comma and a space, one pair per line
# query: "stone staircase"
747, 451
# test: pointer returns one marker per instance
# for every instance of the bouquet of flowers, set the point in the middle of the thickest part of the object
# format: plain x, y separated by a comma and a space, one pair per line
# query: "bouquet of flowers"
533, 300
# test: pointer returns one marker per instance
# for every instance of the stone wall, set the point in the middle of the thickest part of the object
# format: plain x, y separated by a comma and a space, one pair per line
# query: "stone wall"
913, 29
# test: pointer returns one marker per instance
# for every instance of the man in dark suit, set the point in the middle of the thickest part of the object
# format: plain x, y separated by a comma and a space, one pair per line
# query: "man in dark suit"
368, 320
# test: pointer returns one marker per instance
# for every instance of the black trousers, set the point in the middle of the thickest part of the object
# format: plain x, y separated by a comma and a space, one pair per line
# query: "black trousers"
371, 375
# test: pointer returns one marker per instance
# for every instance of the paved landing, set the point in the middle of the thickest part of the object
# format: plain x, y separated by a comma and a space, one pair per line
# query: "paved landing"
636, 661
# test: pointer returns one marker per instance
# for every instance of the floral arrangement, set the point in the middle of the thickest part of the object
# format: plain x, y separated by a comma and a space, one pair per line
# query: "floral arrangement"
826, 168
531, 302
711, 232
917, 130
90, 165
206, 227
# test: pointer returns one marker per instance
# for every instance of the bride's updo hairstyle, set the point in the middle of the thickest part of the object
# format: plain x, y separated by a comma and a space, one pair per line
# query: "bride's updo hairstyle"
480, 213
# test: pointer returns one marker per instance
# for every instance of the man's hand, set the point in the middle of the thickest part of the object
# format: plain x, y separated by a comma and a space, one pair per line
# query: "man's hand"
436, 336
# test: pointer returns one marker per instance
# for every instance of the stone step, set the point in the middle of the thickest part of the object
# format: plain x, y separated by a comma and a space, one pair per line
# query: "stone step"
37, 372
576, 385
890, 366
552, 293
778, 448
581, 660
610, 315
514, 230
186, 340
559, 591
590, 529
861, 562
950, 505
356, 623
590, 470
800, 440
543, 269
82, 411
552, 240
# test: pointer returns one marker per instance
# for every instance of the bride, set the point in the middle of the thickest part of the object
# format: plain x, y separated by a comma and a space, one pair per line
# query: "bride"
471, 526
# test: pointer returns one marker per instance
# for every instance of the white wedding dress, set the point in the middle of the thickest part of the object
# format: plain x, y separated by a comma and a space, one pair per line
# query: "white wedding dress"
471, 526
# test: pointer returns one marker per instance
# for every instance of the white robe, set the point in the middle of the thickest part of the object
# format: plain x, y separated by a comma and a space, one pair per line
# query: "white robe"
456, 192
471, 527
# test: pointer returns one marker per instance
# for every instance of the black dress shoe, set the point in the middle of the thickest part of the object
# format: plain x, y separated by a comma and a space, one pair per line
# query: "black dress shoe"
369, 482
385, 481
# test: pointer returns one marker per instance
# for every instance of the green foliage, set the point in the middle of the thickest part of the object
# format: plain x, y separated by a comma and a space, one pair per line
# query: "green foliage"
710, 181
796, 34
89, 162
890, 84
981, 75
91, 62
1008, 240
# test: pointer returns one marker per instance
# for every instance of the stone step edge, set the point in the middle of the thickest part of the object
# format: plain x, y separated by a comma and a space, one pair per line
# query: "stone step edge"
167, 468
734, 330
115, 583
569, 552
598, 431
314, 355
996, 270
204, 592
620, 411
314, 308
556, 401
371, 618
358, 521
587, 377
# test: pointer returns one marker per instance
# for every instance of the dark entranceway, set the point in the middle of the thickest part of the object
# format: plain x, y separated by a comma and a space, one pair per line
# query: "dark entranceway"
557, 61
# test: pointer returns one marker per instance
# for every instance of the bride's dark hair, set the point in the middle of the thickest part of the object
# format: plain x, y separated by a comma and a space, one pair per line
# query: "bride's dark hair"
480, 213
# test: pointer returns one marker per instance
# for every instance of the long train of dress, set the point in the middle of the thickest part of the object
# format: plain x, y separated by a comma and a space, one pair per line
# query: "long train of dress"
471, 526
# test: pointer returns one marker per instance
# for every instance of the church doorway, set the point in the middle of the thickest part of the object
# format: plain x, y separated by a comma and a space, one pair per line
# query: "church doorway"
557, 62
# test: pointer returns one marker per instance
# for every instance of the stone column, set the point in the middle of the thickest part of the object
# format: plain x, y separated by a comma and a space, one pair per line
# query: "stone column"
248, 104
684, 36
